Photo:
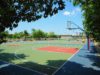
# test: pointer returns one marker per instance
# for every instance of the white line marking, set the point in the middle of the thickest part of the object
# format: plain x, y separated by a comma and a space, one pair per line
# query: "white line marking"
67, 60
25, 68
50, 66
4, 65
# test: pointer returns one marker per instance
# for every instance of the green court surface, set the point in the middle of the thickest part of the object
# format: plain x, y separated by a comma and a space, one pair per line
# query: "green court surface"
25, 54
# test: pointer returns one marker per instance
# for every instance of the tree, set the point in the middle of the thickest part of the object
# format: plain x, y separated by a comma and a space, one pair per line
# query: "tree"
4, 34
10, 36
52, 35
14, 11
91, 15
16, 36
38, 34
26, 34
21, 34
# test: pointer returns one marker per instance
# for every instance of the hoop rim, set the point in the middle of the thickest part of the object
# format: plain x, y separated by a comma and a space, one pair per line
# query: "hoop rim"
72, 28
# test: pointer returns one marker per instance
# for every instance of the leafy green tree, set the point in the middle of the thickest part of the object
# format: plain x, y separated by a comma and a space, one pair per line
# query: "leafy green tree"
26, 34
10, 36
14, 11
3, 36
52, 35
38, 34
16, 36
21, 34
91, 13
33, 32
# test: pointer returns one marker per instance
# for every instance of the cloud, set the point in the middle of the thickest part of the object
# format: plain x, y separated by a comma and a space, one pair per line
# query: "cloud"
73, 12
66, 13
78, 9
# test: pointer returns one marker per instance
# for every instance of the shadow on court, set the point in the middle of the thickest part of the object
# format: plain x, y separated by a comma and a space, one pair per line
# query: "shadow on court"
72, 68
49, 69
94, 59
37, 67
56, 63
84, 62
10, 69
10, 56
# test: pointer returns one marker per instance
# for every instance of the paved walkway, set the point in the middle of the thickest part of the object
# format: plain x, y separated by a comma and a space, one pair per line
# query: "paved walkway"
83, 63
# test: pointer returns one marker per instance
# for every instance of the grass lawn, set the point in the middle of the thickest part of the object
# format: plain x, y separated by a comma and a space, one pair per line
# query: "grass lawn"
26, 54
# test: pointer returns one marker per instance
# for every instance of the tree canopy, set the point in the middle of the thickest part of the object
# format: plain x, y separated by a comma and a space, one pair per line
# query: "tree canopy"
38, 34
91, 13
14, 11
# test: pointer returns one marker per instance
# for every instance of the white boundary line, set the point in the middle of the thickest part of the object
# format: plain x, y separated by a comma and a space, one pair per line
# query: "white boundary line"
25, 68
4, 65
67, 60
50, 66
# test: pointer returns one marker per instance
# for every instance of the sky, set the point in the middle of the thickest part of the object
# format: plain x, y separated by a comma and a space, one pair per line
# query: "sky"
56, 23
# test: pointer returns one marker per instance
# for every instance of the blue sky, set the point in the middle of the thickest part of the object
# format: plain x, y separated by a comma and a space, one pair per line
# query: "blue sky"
56, 23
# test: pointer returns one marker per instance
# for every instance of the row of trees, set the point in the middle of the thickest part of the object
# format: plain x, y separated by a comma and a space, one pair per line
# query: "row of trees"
25, 35
38, 34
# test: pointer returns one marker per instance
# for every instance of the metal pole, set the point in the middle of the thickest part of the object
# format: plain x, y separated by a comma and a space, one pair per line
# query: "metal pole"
87, 34
88, 42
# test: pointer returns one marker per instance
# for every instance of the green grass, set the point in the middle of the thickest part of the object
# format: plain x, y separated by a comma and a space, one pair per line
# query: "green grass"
27, 55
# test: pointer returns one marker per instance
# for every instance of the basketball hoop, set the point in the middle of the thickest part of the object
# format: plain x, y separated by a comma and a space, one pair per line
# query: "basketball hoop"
69, 25
72, 26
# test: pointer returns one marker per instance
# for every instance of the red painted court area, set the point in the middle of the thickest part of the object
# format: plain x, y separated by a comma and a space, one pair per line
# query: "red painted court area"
59, 49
